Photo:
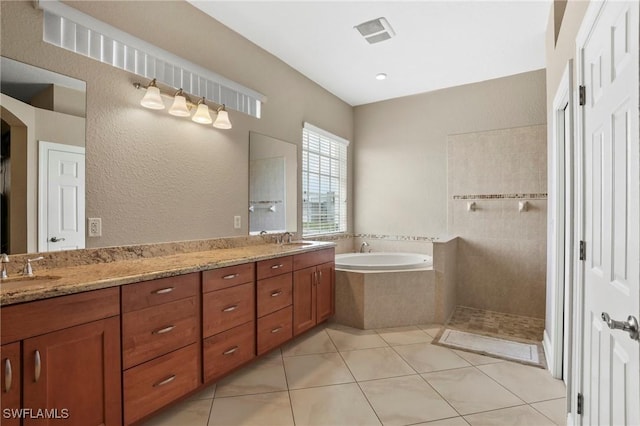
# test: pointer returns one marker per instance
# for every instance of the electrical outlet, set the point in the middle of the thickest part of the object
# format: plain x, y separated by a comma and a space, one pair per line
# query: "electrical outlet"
237, 222
94, 227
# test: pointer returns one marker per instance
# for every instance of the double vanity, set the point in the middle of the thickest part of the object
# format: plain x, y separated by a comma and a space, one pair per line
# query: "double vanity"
113, 342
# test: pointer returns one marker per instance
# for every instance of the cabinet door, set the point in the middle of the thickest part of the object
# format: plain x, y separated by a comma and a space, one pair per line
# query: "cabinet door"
304, 300
10, 392
324, 292
76, 373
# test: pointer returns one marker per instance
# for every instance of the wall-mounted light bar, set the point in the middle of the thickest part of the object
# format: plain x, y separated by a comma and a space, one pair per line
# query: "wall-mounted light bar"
70, 29
182, 105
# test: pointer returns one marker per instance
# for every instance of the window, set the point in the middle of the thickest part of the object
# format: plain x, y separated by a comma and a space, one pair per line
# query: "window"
324, 182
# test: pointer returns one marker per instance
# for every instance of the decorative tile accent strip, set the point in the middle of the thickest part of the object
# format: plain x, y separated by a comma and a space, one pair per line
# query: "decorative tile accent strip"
396, 237
539, 196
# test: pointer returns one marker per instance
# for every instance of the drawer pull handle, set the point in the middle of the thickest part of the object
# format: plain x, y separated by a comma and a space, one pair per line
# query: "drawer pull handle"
163, 290
277, 266
8, 375
230, 308
276, 330
38, 367
165, 381
164, 330
276, 293
230, 351
230, 277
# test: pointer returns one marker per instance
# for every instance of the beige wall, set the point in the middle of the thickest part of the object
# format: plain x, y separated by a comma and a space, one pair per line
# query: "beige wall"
401, 156
152, 177
35, 125
23, 200
501, 251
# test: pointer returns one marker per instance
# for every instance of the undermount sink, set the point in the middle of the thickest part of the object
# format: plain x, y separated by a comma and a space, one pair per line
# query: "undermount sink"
22, 278
299, 243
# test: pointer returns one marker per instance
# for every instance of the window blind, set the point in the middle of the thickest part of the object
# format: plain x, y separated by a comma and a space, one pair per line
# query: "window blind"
324, 182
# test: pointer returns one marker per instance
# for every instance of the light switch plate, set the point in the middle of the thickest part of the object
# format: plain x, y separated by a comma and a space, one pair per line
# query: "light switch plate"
237, 222
94, 227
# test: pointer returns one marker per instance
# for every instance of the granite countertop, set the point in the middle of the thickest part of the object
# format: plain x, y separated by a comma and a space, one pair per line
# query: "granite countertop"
76, 279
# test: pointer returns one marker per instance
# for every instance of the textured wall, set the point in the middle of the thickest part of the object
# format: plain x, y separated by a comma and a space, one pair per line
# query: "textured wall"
152, 177
401, 156
501, 251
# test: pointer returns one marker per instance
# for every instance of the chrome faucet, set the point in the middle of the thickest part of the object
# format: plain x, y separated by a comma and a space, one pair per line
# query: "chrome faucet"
289, 235
4, 259
27, 270
363, 245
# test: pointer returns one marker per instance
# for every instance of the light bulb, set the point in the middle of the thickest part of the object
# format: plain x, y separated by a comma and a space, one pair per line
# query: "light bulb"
222, 120
202, 114
179, 107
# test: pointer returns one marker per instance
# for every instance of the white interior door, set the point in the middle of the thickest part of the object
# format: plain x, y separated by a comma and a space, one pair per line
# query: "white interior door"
611, 372
62, 197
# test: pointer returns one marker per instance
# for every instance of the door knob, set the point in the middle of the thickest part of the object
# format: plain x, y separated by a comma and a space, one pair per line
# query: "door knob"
630, 325
55, 239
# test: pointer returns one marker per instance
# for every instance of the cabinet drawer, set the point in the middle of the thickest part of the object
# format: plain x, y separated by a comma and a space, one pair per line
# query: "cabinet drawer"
156, 292
274, 329
225, 351
274, 294
313, 258
272, 267
151, 332
217, 279
228, 308
156, 383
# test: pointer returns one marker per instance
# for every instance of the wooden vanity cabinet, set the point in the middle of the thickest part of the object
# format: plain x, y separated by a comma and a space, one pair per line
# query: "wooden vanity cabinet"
10, 392
160, 343
275, 297
70, 358
228, 319
313, 289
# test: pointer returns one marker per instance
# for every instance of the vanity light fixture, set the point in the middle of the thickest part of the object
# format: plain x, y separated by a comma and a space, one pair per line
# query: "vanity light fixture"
182, 105
202, 115
179, 107
222, 120
152, 98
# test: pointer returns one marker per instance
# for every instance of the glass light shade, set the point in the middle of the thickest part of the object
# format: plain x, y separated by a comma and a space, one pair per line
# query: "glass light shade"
202, 114
222, 120
152, 98
179, 107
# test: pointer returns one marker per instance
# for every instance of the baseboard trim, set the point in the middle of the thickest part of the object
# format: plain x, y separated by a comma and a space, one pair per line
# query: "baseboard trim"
548, 351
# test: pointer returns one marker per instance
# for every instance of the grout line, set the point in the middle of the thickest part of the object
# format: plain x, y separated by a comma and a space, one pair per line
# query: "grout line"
286, 381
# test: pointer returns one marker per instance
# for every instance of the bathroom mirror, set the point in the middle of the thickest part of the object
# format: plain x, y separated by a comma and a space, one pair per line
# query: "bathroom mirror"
273, 171
42, 159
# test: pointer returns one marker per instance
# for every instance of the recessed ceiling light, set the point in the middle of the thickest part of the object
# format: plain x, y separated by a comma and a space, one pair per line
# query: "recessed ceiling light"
381, 76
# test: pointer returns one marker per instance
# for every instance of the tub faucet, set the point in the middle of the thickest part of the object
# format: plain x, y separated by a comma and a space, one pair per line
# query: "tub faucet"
363, 245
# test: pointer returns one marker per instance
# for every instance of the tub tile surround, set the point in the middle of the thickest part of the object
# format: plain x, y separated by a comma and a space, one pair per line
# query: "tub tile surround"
399, 298
92, 269
501, 252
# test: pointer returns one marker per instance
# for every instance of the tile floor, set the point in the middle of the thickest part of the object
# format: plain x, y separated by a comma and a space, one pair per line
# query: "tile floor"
336, 375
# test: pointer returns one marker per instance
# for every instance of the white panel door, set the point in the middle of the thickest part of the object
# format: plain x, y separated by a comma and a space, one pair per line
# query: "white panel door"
611, 370
63, 203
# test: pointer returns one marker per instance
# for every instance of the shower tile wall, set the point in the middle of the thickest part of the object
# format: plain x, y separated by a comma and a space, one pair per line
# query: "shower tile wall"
501, 251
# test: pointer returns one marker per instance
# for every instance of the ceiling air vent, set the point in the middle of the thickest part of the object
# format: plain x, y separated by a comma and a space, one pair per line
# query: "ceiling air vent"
376, 30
